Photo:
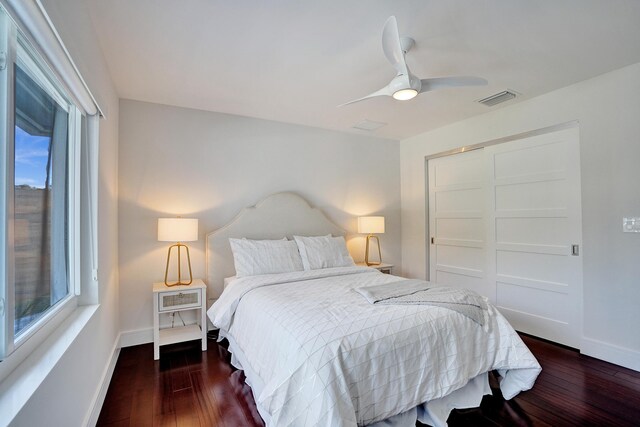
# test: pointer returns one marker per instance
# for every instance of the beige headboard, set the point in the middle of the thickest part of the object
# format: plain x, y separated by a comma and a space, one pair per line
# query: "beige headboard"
278, 215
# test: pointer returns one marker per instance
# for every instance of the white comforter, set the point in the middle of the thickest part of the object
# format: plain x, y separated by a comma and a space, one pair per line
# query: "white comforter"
326, 357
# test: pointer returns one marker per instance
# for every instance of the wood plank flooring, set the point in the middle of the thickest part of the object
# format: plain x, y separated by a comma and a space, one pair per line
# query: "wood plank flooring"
190, 388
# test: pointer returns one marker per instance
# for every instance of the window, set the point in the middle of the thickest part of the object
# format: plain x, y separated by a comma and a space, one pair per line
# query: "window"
39, 191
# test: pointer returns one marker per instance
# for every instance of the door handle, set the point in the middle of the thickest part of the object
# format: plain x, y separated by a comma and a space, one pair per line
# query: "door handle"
575, 250
433, 240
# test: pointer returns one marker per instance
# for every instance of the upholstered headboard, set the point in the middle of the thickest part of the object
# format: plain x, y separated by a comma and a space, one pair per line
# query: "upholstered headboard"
278, 215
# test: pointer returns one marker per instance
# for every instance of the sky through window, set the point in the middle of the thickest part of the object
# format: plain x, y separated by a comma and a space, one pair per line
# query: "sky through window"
31, 153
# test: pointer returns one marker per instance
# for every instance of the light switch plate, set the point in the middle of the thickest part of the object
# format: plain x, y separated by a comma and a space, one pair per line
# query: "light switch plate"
631, 225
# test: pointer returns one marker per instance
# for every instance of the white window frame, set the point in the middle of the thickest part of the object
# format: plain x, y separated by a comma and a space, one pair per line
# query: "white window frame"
19, 51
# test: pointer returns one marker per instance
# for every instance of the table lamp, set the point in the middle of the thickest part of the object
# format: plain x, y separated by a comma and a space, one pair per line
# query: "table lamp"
371, 225
177, 230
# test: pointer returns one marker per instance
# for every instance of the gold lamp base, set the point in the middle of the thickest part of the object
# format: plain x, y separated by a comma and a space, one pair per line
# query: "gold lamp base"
366, 252
166, 271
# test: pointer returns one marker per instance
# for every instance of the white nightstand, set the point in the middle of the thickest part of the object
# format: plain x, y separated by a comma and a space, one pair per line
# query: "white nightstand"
385, 268
179, 298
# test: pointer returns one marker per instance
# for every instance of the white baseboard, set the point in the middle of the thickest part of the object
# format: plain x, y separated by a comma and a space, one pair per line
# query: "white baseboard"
96, 404
611, 353
136, 337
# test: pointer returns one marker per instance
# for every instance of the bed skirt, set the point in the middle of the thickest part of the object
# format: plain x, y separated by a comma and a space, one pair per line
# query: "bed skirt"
433, 413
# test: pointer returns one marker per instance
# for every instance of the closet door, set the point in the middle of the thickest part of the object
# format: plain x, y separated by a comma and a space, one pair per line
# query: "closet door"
534, 185
457, 222
505, 221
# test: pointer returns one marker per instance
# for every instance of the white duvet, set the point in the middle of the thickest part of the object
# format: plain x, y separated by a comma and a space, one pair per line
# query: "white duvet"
324, 356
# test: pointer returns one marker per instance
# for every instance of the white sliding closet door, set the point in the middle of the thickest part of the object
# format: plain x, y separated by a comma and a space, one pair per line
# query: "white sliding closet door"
505, 221
536, 220
457, 222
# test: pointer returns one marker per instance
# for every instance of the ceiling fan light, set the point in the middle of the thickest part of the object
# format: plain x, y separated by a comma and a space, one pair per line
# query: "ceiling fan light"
405, 94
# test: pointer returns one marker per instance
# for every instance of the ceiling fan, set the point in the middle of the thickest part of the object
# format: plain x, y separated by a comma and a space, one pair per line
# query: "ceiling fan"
405, 85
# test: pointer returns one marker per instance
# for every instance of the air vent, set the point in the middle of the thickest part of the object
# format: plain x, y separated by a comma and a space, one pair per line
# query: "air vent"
497, 98
369, 125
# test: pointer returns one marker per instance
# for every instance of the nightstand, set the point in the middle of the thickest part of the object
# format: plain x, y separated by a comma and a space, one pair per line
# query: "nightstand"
385, 268
177, 299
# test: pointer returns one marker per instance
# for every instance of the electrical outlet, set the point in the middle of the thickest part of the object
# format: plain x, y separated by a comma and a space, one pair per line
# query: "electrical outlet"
631, 225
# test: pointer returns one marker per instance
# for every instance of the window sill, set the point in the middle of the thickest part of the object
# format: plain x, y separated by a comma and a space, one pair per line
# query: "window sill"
20, 384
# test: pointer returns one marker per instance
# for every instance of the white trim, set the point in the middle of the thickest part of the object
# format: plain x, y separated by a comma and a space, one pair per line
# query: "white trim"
62, 308
611, 353
7, 164
18, 387
38, 336
22, 52
6, 134
136, 337
91, 419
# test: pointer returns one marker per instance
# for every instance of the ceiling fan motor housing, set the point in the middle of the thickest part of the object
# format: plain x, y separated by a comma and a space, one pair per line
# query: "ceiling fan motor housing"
403, 82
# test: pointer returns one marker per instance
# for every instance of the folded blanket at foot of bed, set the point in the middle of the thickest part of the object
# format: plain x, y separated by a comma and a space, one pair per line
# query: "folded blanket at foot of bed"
421, 292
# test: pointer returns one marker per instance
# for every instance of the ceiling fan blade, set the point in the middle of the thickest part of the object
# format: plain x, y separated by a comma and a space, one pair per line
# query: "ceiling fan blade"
445, 82
392, 47
385, 91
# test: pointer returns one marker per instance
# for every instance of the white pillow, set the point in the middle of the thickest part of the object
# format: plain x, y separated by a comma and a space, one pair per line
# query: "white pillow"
323, 252
254, 257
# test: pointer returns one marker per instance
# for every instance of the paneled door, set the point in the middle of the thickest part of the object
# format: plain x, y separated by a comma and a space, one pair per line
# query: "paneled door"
505, 221
536, 226
457, 222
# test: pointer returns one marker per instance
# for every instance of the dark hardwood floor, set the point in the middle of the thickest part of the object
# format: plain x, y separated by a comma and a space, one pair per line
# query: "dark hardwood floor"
190, 388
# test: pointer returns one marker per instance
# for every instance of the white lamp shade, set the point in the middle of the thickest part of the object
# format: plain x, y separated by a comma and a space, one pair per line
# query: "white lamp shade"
371, 224
177, 229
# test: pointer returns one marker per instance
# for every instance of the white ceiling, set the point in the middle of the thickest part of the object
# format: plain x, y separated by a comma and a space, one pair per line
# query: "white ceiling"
295, 61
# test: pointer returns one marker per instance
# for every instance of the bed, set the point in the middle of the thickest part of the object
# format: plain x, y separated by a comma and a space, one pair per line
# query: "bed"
316, 353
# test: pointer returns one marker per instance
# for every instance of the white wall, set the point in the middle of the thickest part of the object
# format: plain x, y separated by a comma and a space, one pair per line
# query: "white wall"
65, 397
608, 110
210, 165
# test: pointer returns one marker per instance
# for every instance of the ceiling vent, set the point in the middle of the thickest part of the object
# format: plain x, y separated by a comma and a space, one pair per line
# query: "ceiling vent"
369, 125
497, 98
